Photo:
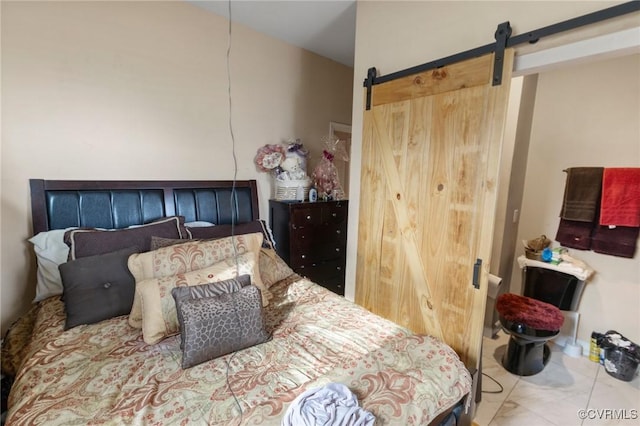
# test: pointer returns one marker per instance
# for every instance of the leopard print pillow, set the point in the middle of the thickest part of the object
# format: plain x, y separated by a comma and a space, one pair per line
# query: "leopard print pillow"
181, 294
218, 325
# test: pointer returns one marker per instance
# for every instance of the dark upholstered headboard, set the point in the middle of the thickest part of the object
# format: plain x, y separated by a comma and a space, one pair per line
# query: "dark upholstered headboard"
58, 204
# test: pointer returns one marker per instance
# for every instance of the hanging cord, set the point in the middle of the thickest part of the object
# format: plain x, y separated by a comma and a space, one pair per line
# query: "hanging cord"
494, 381
233, 142
233, 196
233, 149
228, 362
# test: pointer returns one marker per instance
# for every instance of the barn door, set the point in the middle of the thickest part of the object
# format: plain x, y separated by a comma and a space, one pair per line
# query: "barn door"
430, 156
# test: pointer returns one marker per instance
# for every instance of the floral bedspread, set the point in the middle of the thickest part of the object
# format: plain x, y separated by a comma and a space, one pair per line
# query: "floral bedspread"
105, 374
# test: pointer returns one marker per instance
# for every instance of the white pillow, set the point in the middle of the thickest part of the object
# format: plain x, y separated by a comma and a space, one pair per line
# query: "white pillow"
51, 251
198, 224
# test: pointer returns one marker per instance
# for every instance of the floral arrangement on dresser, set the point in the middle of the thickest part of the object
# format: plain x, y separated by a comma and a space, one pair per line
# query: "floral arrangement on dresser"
288, 166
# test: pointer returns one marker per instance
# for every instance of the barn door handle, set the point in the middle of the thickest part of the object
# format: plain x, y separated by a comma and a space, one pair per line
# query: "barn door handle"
476, 273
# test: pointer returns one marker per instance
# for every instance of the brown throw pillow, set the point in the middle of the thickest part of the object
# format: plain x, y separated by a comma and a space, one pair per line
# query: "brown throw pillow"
218, 325
91, 242
97, 288
159, 242
221, 231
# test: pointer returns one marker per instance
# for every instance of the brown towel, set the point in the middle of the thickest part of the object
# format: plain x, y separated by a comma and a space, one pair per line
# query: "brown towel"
582, 194
619, 241
574, 234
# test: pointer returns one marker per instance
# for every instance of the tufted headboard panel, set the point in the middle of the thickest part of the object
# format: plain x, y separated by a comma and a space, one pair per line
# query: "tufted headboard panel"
57, 204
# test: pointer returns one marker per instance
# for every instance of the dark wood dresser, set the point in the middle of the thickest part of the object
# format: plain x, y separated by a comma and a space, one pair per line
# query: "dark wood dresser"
312, 239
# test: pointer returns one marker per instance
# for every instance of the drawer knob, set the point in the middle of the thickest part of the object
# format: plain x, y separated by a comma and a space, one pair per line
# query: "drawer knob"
304, 256
337, 249
338, 231
334, 214
309, 217
302, 267
339, 268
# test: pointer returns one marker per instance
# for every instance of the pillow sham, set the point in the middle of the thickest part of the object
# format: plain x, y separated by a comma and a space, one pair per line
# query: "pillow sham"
158, 309
97, 288
159, 242
221, 231
272, 267
181, 294
218, 325
191, 256
91, 242
51, 252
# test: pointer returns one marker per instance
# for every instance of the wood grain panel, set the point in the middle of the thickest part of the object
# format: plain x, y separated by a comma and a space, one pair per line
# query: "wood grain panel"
471, 73
431, 147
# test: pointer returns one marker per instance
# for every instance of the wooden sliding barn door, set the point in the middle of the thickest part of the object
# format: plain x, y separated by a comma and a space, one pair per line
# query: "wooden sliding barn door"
430, 156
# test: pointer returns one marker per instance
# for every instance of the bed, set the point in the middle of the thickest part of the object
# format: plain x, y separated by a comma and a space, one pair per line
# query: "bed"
105, 373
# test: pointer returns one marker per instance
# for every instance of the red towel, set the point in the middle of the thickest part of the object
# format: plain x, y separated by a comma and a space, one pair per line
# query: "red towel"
620, 204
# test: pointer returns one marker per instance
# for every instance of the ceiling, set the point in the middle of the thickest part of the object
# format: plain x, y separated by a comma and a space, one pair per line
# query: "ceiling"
325, 27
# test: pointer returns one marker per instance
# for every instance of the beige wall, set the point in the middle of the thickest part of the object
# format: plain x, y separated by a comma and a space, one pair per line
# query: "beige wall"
138, 90
393, 35
582, 119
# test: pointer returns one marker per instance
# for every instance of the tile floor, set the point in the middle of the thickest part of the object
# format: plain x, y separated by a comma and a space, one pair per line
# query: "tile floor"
556, 395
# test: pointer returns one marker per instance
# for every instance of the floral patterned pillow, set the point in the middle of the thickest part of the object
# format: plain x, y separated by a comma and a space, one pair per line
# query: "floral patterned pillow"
159, 315
191, 256
272, 267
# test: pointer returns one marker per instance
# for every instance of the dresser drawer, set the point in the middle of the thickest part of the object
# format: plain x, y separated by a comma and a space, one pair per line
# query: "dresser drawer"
306, 216
321, 271
308, 251
328, 274
335, 284
305, 236
336, 213
319, 214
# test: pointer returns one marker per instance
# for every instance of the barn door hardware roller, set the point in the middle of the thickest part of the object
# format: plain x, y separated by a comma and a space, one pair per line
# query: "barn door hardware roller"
371, 76
502, 36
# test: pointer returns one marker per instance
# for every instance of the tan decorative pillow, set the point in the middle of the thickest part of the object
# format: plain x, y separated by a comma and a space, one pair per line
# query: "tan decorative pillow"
187, 257
159, 316
272, 267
